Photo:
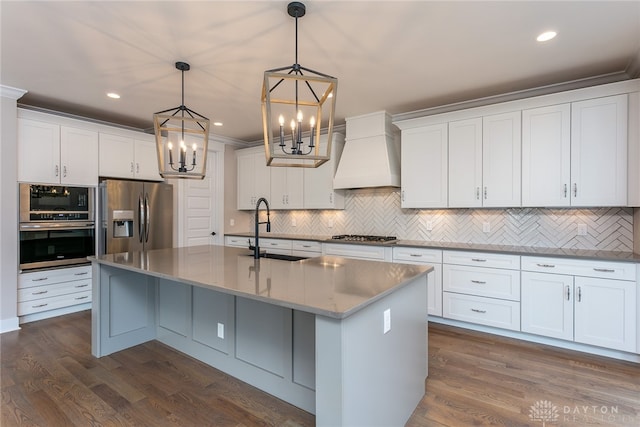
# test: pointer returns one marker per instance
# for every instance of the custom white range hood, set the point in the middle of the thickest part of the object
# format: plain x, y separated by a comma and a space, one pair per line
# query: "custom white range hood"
371, 153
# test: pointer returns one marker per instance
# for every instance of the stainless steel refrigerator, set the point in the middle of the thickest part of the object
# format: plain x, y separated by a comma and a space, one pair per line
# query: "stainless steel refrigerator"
135, 216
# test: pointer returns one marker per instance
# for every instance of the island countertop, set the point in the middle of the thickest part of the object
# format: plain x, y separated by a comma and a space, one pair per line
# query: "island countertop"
329, 286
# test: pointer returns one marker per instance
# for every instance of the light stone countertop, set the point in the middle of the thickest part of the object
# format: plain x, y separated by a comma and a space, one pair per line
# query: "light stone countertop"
328, 286
479, 247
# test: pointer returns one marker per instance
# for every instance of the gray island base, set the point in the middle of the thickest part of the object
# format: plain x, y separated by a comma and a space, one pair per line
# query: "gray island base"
343, 339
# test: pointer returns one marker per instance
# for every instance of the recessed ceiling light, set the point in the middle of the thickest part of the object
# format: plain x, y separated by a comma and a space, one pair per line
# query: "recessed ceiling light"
217, 123
546, 36
113, 95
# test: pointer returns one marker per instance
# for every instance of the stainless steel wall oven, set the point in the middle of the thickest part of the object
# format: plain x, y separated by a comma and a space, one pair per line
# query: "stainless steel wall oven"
57, 225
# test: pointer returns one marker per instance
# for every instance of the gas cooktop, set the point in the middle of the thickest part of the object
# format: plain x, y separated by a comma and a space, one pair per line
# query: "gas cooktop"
364, 238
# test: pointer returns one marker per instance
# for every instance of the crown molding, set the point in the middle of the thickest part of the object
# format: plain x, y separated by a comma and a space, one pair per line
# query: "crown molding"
11, 92
633, 69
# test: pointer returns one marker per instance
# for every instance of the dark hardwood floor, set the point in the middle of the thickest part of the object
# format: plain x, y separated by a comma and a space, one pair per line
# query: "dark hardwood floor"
49, 378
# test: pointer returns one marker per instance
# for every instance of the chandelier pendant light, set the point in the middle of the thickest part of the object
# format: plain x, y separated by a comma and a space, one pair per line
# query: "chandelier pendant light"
296, 103
182, 138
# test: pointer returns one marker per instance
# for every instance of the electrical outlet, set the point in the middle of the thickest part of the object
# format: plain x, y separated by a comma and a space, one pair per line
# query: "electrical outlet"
429, 225
582, 229
486, 227
293, 222
232, 222
330, 223
221, 330
387, 321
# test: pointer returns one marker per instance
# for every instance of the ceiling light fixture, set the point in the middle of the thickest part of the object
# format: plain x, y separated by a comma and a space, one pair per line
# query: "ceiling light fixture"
546, 36
289, 95
180, 130
113, 95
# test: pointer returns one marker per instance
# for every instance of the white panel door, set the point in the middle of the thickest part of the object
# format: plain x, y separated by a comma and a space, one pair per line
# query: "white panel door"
198, 213
465, 163
547, 305
424, 167
546, 156
599, 152
501, 160
605, 313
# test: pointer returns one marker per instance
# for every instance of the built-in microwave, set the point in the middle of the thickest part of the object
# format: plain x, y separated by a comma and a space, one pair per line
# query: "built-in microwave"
57, 226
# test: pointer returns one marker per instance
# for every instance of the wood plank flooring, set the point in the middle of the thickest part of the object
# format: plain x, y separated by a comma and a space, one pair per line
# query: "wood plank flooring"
49, 378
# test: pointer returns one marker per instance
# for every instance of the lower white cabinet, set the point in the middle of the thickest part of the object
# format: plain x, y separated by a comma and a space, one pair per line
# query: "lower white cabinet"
48, 293
366, 252
433, 257
483, 311
590, 310
308, 248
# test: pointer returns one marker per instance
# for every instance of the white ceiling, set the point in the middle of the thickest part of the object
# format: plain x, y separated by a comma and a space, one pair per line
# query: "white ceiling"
387, 55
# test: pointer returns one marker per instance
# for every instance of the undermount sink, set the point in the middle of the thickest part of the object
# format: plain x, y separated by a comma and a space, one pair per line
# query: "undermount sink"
282, 257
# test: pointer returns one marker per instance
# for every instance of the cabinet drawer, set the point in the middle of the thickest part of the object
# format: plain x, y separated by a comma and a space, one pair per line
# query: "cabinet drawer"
417, 255
276, 246
480, 310
481, 259
36, 306
238, 242
57, 289
48, 277
580, 267
306, 245
480, 281
356, 251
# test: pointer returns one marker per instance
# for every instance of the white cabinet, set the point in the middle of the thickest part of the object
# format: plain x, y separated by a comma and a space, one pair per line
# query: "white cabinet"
128, 157
481, 288
424, 169
253, 177
286, 188
465, 163
599, 152
546, 154
49, 293
52, 154
365, 252
560, 301
433, 257
308, 248
318, 182
576, 154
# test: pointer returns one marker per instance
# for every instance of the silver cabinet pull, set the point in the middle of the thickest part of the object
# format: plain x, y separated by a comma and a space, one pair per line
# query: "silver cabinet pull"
568, 292
480, 282
39, 293
604, 270
575, 189
79, 298
477, 193
416, 255
475, 310
546, 265
64, 171
39, 305
478, 260
565, 191
579, 294
40, 279
57, 170
131, 167
485, 193
81, 274
331, 197
402, 195
306, 246
82, 286
137, 167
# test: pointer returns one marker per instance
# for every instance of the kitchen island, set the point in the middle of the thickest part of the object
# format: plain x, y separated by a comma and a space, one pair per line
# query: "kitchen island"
343, 339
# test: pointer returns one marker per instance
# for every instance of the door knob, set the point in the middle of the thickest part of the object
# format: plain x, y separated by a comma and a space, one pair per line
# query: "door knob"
213, 233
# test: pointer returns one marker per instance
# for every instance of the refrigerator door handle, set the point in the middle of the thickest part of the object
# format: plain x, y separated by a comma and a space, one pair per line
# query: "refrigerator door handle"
146, 217
141, 218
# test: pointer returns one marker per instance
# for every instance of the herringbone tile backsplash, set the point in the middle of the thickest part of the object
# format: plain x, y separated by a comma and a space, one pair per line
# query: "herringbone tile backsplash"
378, 211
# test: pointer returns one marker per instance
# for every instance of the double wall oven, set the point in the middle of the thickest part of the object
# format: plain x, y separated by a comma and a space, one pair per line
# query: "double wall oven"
57, 225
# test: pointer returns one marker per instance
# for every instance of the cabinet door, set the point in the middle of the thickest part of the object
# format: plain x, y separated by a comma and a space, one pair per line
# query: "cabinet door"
546, 144
78, 156
547, 305
295, 187
465, 163
246, 176
116, 156
605, 313
599, 152
146, 160
38, 152
318, 192
278, 188
424, 167
501, 167
262, 175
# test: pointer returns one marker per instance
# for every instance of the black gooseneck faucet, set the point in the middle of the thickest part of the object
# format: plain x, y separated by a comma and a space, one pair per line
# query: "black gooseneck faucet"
256, 243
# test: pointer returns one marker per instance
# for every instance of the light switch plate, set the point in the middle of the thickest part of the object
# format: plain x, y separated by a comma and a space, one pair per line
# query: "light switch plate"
486, 227
429, 225
387, 321
582, 229
221, 330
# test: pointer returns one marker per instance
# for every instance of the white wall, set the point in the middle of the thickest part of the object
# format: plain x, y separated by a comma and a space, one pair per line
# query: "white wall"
8, 208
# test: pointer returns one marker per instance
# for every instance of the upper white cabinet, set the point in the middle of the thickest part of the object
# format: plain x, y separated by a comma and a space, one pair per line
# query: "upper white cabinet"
546, 150
484, 161
286, 188
128, 157
52, 154
424, 169
318, 182
599, 152
254, 177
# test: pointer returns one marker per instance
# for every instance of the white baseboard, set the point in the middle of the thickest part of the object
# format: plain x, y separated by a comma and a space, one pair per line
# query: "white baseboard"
8, 325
